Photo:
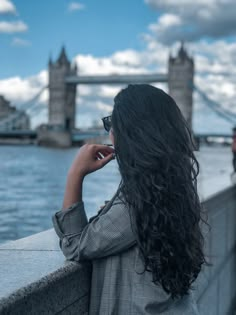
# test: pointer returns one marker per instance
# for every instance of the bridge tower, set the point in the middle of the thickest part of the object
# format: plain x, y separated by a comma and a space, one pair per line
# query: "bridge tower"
62, 107
180, 82
62, 104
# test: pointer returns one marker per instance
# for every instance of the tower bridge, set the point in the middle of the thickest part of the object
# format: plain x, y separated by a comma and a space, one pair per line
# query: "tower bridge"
64, 77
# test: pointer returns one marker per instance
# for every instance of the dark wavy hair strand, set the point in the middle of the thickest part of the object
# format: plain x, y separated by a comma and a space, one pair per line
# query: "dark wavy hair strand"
155, 155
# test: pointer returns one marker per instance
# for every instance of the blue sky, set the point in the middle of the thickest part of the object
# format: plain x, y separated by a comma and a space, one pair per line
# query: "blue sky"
101, 28
125, 36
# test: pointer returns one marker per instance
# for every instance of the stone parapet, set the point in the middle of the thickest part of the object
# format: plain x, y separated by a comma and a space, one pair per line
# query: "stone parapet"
36, 278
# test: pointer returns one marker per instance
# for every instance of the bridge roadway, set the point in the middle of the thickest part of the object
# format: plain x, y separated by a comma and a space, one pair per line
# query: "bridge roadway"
79, 137
92, 132
32, 134
117, 78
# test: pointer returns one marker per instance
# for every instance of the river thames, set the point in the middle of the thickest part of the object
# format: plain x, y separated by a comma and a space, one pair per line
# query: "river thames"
33, 181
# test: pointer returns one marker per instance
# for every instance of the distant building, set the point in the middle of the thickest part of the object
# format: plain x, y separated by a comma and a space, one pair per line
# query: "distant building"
181, 82
12, 118
62, 108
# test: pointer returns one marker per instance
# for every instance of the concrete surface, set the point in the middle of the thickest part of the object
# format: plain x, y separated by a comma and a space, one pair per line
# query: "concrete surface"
36, 278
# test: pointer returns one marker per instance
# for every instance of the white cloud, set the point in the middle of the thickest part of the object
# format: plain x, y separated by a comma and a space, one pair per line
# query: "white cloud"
125, 62
165, 21
76, 6
20, 42
7, 7
127, 57
193, 20
114, 64
13, 27
19, 91
24, 89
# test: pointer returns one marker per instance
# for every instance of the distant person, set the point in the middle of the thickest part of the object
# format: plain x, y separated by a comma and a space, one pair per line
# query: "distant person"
145, 245
234, 148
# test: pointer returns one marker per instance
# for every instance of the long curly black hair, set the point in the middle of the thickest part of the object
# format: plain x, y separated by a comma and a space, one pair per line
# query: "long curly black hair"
155, 155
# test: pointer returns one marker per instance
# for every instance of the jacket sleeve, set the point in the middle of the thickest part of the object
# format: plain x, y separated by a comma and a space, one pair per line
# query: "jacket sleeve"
107, 234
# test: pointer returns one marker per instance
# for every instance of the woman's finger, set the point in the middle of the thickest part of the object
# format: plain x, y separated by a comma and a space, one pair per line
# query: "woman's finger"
107, 153
105, 160
103, 148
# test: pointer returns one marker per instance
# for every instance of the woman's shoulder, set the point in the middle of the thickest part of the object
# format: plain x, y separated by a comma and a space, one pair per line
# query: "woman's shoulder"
116, 201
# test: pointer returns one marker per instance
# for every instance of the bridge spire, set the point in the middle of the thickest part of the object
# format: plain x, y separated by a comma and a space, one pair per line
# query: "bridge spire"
63, 59
182, 52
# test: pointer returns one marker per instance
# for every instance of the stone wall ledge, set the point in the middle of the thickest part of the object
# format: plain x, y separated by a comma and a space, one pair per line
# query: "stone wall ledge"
37, 279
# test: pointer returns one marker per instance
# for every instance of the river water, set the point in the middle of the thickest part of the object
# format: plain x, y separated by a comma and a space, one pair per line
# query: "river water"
33, 180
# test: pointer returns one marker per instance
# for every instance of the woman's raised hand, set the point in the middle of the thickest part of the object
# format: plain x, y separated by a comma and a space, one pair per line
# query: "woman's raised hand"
90, 158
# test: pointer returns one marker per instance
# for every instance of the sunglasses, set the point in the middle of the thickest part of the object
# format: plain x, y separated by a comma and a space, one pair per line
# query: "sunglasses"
107, 123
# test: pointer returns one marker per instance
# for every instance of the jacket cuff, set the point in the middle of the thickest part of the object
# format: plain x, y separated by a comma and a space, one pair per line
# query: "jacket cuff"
71, 220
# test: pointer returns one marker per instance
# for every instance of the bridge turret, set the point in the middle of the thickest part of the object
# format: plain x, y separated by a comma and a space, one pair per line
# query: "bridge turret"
63, 59
62, 96
180, 81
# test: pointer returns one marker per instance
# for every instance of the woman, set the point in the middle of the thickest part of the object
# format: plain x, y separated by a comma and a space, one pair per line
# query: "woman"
145, 244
